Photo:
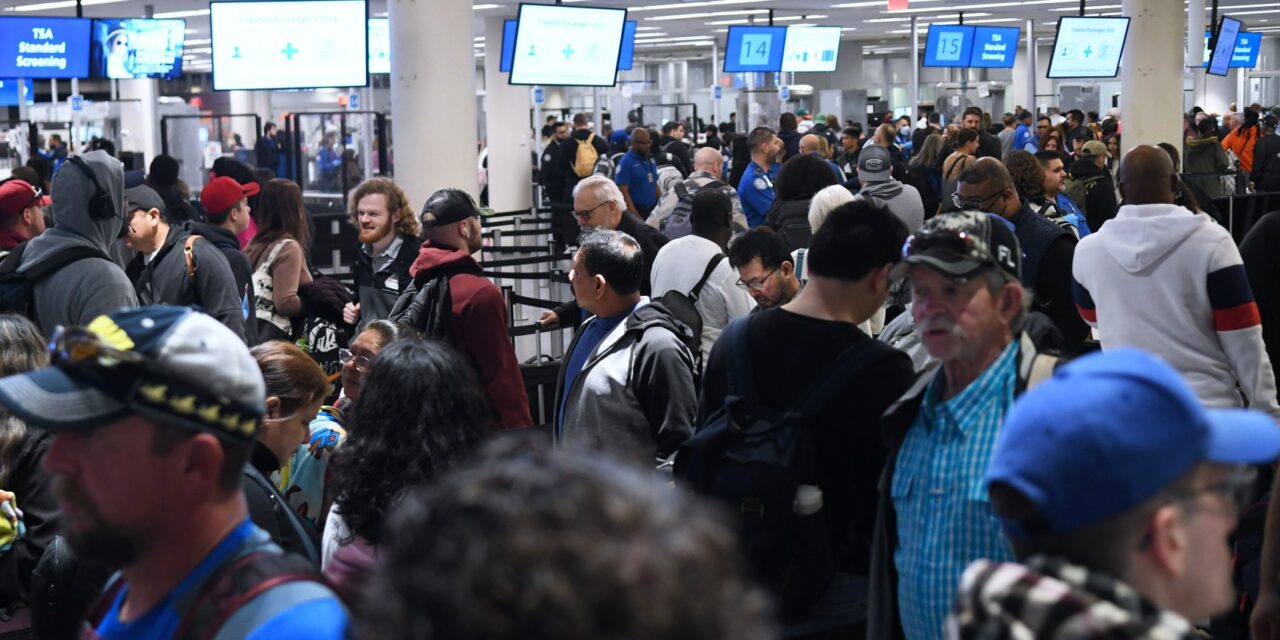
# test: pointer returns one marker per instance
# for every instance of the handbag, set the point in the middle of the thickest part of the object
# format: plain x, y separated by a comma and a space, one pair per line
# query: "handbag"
271, 324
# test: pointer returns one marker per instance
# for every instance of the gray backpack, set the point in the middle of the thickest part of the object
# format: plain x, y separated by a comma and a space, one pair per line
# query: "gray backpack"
678, 224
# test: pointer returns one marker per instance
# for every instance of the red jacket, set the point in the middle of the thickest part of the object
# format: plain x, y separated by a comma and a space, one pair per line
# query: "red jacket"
479, 328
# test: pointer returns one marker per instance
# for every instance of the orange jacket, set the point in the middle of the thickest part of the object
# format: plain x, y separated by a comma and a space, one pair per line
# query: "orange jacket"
1242, 144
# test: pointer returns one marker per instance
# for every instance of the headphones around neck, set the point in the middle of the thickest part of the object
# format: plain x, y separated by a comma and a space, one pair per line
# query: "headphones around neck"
101, 207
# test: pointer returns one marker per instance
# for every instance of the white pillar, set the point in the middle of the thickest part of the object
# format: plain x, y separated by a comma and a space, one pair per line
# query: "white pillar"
142, 122
433, 92
1150, 74
506, 120
243, 103
1196, 27
914, 92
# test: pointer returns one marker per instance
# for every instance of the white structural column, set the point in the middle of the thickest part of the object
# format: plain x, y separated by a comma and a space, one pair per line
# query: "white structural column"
1151, 73
433, 102
142, 122
506, 119
1196, 26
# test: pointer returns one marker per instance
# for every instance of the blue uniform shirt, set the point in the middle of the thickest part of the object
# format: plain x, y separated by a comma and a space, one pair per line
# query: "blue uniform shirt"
756, 192
640, 175
1022, 137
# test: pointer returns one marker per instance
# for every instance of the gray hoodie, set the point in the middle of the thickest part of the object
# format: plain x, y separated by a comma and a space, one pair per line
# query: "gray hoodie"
83, 290
902, 200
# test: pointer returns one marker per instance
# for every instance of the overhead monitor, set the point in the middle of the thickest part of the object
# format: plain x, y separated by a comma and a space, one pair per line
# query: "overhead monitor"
1246, 53
39, 48
994, 47
289, 44
125, 48
561, 45
948, 45
379, 45
811, 49
508, 45
754, 49
11, 91
1088, 47
1223, 46
627, 57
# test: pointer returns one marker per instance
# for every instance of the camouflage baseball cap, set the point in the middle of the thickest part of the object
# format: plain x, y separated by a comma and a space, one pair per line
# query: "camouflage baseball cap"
961, 243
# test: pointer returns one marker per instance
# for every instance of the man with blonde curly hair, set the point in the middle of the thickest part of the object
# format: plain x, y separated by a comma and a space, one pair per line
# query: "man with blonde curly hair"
388, 232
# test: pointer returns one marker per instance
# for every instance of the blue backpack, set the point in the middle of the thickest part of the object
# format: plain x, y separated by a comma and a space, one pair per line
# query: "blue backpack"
763, 464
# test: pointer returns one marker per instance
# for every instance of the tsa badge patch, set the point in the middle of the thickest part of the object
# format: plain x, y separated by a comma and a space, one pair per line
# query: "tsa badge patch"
760, 184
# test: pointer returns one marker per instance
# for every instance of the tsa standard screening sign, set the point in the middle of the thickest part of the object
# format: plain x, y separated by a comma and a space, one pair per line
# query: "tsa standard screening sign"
289, 45
44, 47
567, 46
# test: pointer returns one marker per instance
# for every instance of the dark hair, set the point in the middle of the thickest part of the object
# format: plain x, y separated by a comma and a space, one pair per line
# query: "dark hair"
852, 132
671, 125
971, 111
787, 121
1046, 156
281, 214
740, 152
1026, 115
42, 167
1173, 154
758, 137
802, 176
934, 117
1008, 119
985, 172
1208, 126
163, 172
422, 410
964, 136
548, 130
27, 175
266, 128
1026, 172
579, 119
856, 238
389, 331
712, 211
614, 255
1076, 115
763, 243
538, 543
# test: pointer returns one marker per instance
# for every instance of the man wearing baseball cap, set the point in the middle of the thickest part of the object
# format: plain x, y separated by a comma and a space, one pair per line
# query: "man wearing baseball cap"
154, 412
21, 218
1090, 184
174, 266
1119, 493
875, 172
934, 520
477, 321
226, 215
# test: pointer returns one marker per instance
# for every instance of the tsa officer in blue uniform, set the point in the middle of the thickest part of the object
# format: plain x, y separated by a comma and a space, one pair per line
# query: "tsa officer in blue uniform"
756, 188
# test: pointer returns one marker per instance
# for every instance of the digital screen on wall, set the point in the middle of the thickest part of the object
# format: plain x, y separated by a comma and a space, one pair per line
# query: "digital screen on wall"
625, 58
811, 49
508, 45
11, 92
948, 45
289, 44
567, 46
1246, 54
379, 45
39, 48
1088, 47
1223, 46
994, 47
126, 48
752, 49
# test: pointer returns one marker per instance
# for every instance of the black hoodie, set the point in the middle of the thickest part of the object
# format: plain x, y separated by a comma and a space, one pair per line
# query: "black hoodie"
229, 245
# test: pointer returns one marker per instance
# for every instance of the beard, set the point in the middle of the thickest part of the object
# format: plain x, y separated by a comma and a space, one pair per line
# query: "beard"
371, 236
97, 541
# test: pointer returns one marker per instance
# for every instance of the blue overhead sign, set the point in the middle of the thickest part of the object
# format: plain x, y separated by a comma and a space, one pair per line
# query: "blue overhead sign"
948, 45
11, 92
44, 47
1246, 54
754, 49
994, 47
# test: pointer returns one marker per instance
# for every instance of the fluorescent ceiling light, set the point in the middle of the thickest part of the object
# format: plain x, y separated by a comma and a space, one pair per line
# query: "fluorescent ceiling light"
705, 43
989, 5
647, 39
482, 7
877, 3
951, 16
775, 19
194, 13
690, 5
199, 50
189, 43
710, 14
62, 4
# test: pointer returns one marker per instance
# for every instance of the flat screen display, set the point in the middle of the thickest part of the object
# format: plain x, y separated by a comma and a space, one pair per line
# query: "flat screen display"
560, 45
811, 49
379, 45
1246, 54
508, 45
754, 49
948, 45
994, 47
1224, 46
1088, 47
126, 48
627, 57
11, 92
293, 44
40, 48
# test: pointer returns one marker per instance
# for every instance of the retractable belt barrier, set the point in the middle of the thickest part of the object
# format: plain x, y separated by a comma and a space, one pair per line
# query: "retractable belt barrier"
516, 262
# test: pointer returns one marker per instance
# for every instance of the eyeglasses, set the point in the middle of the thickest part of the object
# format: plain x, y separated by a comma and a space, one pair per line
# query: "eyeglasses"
361, 363
976, 204
758, 284
583, 215
75, 347
1238, 488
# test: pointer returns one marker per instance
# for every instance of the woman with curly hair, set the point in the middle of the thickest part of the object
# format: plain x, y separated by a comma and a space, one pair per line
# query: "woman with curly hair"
420, 411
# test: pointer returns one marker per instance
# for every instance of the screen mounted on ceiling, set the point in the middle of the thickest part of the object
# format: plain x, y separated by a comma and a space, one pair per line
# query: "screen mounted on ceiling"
294, 44
1088, 47
811, 49
754, 49
127, 48
39, 48
559, 45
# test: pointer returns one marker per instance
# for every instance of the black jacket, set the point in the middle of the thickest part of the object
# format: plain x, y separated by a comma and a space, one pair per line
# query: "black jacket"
41, 514
989, 147
227, 242
267, 153
167, 280
678, 151
550, 174
790, 219
377, 292
1266, 163
790, 138
1262, 265
177, 208
650, 240
270, 512
1048, 253
1100, 200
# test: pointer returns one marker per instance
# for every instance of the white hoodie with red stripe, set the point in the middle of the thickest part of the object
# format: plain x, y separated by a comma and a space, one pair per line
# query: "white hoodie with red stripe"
1162, 279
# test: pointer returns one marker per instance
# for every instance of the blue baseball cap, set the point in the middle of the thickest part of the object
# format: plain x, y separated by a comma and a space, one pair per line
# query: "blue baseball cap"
1109, 431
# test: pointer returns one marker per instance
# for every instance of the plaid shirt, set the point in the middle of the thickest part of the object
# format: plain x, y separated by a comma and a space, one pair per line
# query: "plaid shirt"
1048, 598
939, 492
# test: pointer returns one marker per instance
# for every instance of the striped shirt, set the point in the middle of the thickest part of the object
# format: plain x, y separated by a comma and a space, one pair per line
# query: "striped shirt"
945, 521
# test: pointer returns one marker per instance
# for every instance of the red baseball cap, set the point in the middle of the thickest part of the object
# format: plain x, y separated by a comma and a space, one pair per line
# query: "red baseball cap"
17, 195
222, 193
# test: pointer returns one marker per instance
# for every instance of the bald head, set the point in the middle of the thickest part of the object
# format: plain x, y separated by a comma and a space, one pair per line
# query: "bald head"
709, 160
1147, 176
809, 143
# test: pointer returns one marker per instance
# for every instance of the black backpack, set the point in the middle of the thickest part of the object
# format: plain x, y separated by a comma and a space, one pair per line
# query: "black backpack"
426, 307
678, 224
763, 463
17, 290
684, 306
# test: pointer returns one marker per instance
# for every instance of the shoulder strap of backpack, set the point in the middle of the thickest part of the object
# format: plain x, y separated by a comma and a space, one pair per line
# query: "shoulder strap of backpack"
681, 190
235, 585
706, 275
836, 378
64, 258
188, 254
102, 606
735, 338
